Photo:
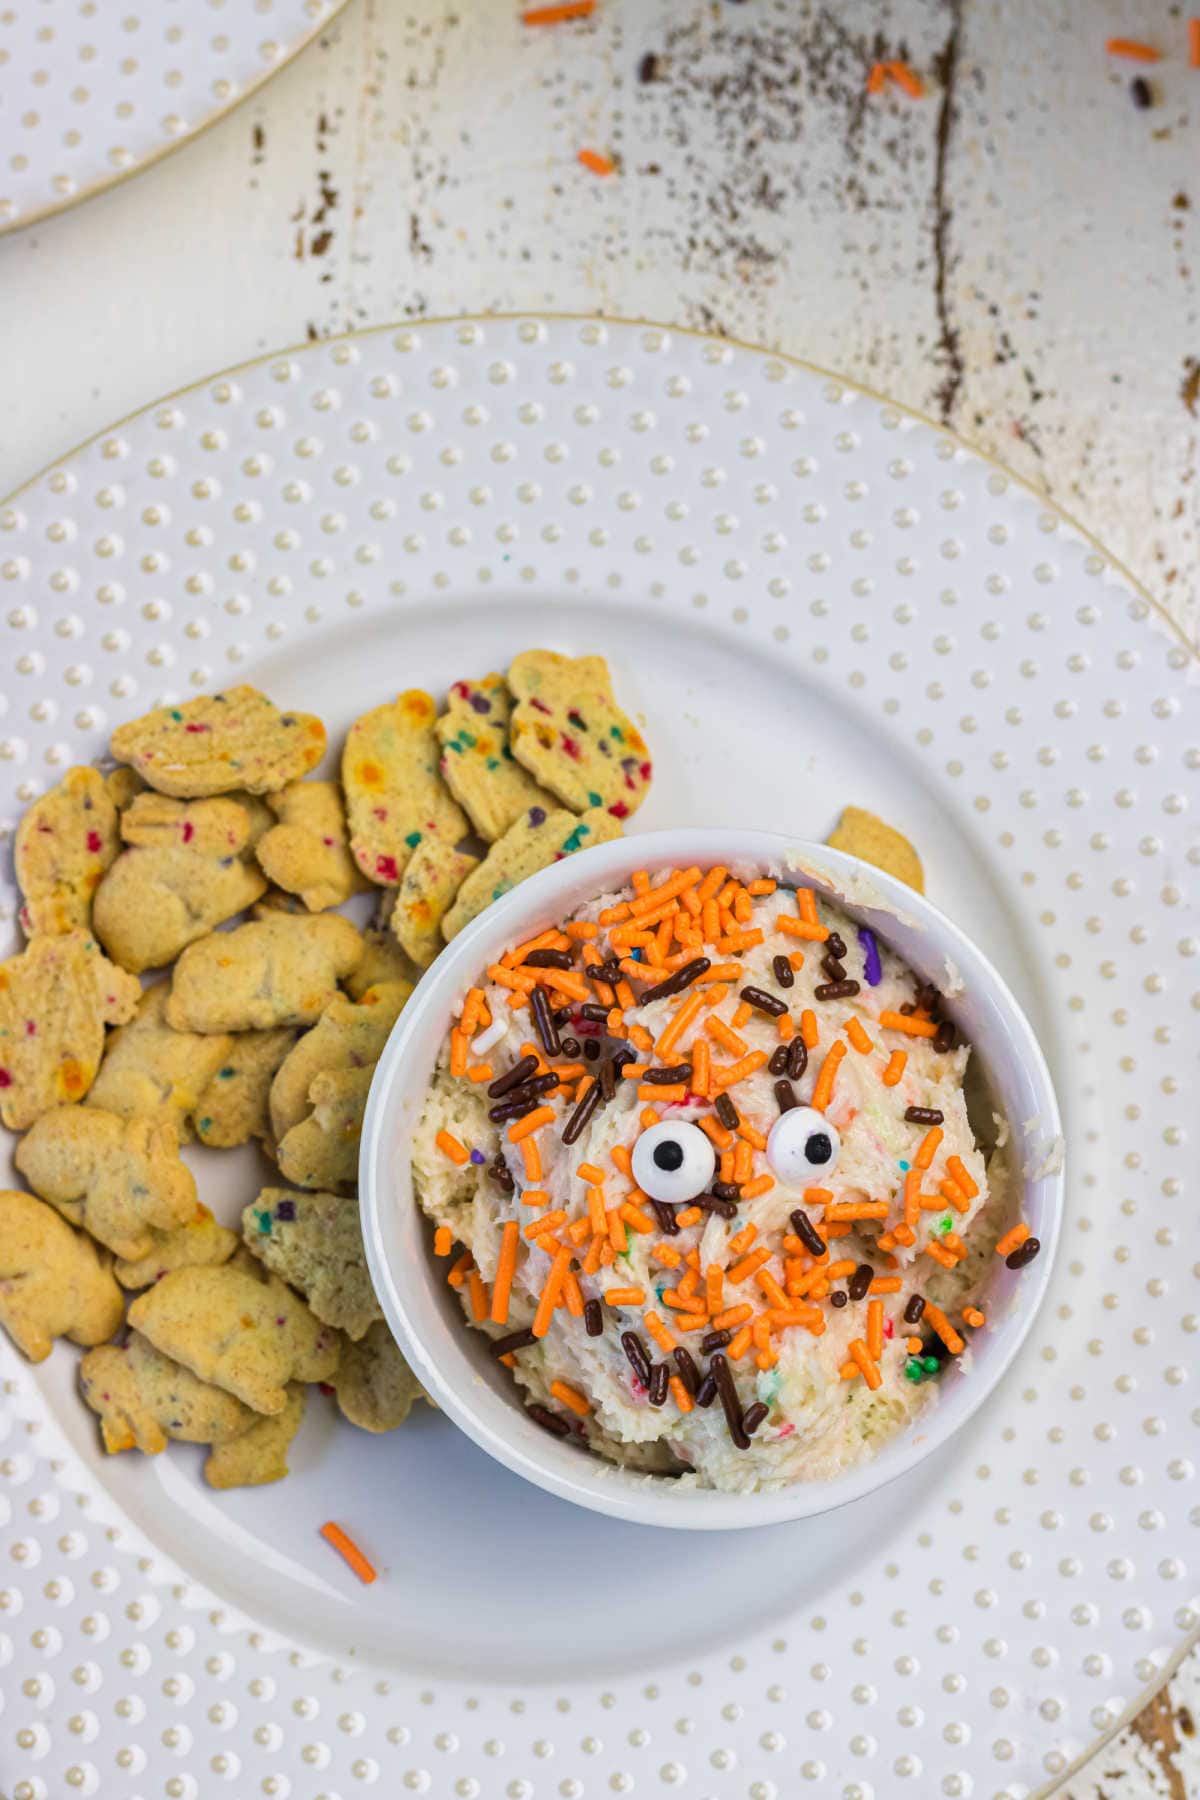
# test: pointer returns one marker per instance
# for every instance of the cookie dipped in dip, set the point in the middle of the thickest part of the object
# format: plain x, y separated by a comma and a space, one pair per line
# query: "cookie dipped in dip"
699, 1162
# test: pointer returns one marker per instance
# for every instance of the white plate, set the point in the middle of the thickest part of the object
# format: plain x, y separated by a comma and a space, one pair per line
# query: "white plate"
814, 598
93, 90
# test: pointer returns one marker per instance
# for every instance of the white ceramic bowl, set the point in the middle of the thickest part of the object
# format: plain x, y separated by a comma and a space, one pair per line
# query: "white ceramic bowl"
453, 1361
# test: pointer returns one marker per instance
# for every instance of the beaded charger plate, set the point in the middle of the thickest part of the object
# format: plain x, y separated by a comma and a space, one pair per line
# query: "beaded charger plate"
813, 598
91, 90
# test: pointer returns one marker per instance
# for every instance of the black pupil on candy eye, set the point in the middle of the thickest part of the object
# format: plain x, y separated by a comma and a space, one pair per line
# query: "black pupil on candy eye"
668, 1156
818, 1148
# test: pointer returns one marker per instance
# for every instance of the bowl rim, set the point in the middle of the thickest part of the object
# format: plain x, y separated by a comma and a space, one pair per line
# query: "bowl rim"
589, 1479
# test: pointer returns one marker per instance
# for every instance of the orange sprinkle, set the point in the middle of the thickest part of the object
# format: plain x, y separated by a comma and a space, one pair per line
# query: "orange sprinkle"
771, 1288
648, 1117
349, 1551
588, 1172
667, 1255
739, 1344
908, 1023
905, 79
534, 1197
712, 1126
823, 1090
656, 897
577, 1230
450, 1146
934, 1249
749, 1265
800, 928
443, 1240
785, 1025
582, 930
927, 1148
1012, 1240
943, 1327
671, 1033
633, 1215
806, 905
714, 1286
458, 1053
552, 1288
680, 1395
756, 1139
725, 1036
895, 1068
505, 1268
734, 1072
858, 1037
840, 1210
914, 1346
739, 1245
596, 1249
762, 1184
569, 1396
885, 1284
618, 1237
691, 1215
876, 79
1194, 43
598, 164
732, 1317
912, 1197
701, 1066
809, 1030
860, 1356
742, 1157
573, 1295
845, 1266
955, 1166
548, 1222
904, 1234
479, 1295
620, 1158
875, 1328
972, 1316
457, 1273
659, 1332
531, 1158
543, 941
522, 1128
480, 1072
693, 1322
1133, 49
950, 1190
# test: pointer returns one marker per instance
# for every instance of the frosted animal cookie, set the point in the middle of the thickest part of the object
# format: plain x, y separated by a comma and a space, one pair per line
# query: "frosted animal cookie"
383, 961
533, 843
571, 735
861, 834
120, 1179
55, 1000
348, 1035
198, 1243
271, 972
63, 845
308, 852
476, 763
188, 867
435, 873
314, 1242
374, 1385
152, 1071
259, 1455
395, 798
234, 1106
142, 1398
219, 742
247, 1336
54, 1282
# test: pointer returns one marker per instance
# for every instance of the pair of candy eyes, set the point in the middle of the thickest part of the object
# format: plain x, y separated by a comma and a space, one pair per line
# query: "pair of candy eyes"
675, 1161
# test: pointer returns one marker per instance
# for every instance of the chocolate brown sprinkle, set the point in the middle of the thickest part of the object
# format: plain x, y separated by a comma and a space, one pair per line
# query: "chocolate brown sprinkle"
946, 1037
785, 1094
664, 1212
560, 1014
593, 1318
753, 1417
513, 1077
547, 959
1023, 1254
716, 1340
783, 971
635, 1350
835, 969
515, 1107
807, 1232
778, 1060
706, 1393
610, 970
583, 1112
660, 1379
924, 1115
570, 1047
914, 1309
547, 1030
689, 1374
837, 1298
836, 990
835, 945
516, 1340
797, 1060
595, 1015
713, 1203
500, 1173
727, 1112
608, 1079
727, 1190
682, 978
541, 1415
860, 1281
763, 1002
668, 1077
591, 1050
730, 1404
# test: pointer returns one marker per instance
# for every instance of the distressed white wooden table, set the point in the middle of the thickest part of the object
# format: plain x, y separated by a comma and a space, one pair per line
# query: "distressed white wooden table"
1013, 253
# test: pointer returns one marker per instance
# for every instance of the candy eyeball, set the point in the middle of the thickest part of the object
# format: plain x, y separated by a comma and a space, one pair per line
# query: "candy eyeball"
673, 1161
803, 1145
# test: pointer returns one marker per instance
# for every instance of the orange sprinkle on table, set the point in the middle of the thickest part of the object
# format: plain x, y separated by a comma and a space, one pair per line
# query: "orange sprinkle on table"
449, 1146
908, 1023
1133, 49
1194, 43
1012, 1240
505, 1269
598, 164
905, 78
823, 1090
876, 79
860, 1356
895, 1068
349, 1551
569, 1396
443, 1240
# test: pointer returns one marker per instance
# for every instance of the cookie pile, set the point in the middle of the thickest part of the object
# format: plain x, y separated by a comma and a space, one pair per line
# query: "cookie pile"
267, 1030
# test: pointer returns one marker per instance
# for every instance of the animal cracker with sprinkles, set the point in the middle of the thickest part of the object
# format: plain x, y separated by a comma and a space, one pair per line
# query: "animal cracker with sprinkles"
718, 1202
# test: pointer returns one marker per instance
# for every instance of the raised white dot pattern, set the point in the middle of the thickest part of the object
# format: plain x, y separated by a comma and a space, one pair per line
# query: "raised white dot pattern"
1010, 1618
91, 90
